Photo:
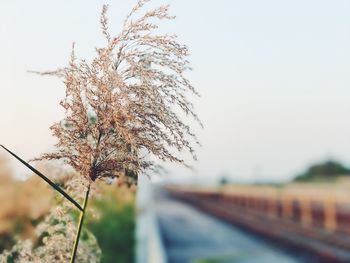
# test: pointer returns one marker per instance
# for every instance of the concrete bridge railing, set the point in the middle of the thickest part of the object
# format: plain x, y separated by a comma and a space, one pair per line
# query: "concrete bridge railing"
323, 208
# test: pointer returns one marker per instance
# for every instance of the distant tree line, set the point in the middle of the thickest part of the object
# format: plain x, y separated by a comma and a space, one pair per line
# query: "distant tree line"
323, 171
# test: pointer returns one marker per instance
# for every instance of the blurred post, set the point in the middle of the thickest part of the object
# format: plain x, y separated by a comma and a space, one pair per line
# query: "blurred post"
287, 211
305, 206
330, 213
272, 206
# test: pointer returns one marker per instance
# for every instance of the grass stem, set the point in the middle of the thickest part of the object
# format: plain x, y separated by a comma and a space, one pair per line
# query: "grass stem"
81, 220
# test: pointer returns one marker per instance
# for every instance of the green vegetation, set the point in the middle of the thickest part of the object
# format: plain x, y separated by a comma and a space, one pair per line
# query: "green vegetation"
115, 226
234, 257
324, 171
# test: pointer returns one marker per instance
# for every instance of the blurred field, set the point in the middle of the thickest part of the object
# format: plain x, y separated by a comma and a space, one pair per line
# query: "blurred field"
24, 204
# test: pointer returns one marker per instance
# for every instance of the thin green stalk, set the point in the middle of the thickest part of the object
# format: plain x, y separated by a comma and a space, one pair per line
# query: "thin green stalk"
81, 220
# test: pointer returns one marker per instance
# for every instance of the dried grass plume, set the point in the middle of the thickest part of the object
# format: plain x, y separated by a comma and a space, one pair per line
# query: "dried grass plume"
124, 106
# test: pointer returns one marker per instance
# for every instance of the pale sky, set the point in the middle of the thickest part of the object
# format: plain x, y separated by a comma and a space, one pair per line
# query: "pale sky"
274, 78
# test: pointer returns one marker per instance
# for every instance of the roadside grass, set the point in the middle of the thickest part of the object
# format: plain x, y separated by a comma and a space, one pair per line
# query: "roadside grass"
115, 226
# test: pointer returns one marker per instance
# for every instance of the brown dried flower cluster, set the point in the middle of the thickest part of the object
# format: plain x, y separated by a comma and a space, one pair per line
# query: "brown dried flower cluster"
124, 106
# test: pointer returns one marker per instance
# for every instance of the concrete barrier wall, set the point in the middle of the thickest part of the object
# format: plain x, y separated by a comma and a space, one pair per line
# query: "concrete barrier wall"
149, 244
